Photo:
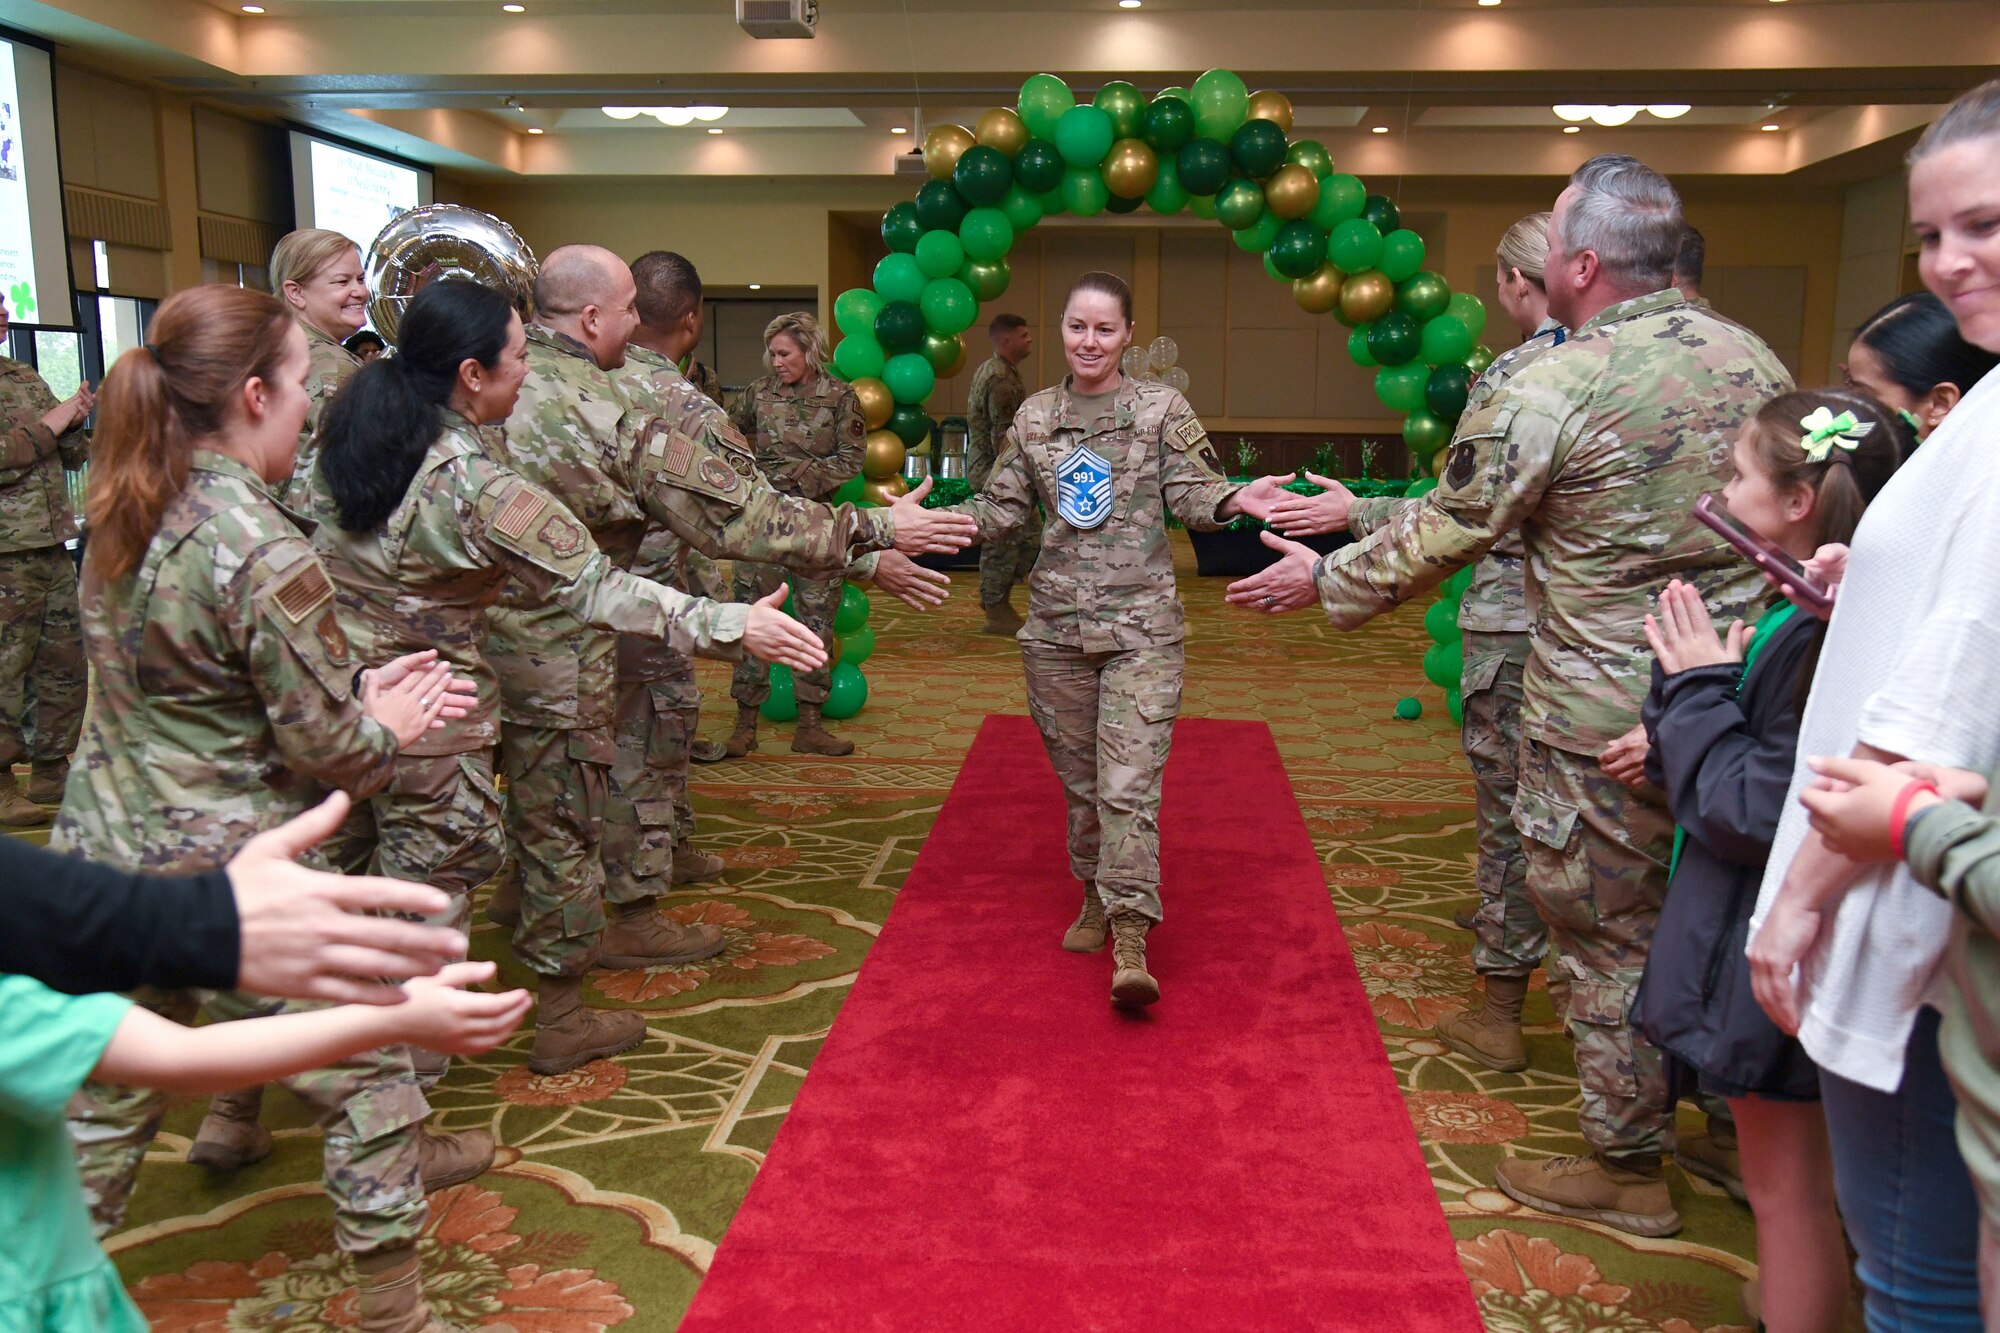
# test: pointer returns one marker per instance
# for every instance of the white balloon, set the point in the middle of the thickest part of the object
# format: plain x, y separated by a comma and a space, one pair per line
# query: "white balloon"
1134, 362
1165, 351
1176, 378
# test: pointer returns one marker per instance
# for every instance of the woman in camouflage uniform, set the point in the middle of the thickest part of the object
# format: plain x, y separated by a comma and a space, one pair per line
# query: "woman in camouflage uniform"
1107, 456
223, 703
318, 275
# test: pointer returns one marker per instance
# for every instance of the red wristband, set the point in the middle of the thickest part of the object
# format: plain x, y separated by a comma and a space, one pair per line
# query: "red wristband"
1899, 813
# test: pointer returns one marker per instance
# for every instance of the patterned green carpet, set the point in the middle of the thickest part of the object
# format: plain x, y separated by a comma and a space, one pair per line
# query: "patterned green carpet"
618, 1181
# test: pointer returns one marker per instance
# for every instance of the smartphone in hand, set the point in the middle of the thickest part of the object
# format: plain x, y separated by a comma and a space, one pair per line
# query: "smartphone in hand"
1767, 556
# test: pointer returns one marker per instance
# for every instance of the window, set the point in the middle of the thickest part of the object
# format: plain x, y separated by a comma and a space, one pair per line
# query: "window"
59, 358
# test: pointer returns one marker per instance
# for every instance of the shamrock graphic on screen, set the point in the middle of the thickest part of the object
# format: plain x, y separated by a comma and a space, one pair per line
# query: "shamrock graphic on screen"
21, 299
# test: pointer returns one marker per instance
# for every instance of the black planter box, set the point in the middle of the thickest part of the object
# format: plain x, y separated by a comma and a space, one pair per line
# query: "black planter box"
1232, 553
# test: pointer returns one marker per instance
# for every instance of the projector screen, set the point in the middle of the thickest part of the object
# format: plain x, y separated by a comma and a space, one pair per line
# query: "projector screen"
351, 192
34, 251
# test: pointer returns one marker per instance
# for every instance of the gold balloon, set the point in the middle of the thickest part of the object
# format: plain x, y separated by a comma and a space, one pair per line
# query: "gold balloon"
1292, 191
1440, 460
883, 455
1131, 168
942, 148
1318, 292
1366, 297
886, 490
957, 362
1002, 128
1269, 105
876, 401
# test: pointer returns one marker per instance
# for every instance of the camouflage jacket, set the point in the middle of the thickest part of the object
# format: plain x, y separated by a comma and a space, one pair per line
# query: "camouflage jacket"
1110, 586
990, 404
1597, 451
705, 381
808, 438
34, 497
465, 528
328, 367
220, 679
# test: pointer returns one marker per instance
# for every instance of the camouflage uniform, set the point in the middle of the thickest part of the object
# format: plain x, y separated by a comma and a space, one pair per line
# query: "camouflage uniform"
808, 440
1509, 938
42, 678
1102, 646
990, 406
221, 706
705, 381
619, 461
328, 367
1597, 451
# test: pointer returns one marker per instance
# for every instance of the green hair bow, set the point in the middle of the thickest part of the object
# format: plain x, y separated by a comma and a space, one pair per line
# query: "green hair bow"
1824, 431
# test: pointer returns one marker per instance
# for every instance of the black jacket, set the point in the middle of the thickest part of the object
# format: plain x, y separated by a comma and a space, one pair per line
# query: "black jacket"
1724, 757
79, 927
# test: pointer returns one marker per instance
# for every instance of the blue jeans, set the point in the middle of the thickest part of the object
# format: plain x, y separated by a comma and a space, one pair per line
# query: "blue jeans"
1905, 1193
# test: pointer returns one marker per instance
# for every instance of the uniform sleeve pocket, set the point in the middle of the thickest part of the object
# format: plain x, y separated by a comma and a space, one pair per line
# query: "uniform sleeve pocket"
1547, 821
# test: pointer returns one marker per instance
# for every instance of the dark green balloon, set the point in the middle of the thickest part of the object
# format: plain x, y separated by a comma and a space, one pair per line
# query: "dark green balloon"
1258, 147
1126, 106
1446, 392
910, 424
1169, 125
1299, 250
1239, 204
1381, 211
982, 175
988, 279
900, 327
1204, 166
1312, 155
940, 206
900, 228
1039, 166
941, 349
1424, 296
1394, 339
1120, 204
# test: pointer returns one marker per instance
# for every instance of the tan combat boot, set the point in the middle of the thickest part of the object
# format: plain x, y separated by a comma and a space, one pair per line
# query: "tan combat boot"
1491, 1034
568, 1035
812, 737
46, 780
452, 1159
744, 739
1131, 984
1001, 618
504, 907
230, 1136
1714, 1157
391, 1291
694, 867
1630, 1196
638, 936
1086, 934
16, 810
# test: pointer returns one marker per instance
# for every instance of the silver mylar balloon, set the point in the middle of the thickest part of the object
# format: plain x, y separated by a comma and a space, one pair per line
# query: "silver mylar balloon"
1164, 352
1134, 362
444, 241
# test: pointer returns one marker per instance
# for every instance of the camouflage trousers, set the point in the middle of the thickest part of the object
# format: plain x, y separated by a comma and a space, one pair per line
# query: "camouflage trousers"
436, 823
1597, 872
369, 1109
558, 788
649, 813
1107, 720
815, 602
1509, 938
1005, 561
42, 675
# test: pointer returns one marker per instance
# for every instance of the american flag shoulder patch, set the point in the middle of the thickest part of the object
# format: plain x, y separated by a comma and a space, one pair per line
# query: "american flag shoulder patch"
305, 591
518, 514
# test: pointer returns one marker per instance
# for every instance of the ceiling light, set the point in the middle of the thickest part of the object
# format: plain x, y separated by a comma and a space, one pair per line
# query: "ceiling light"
756, 286
713, 130
1571, 111
536, 129
706, 113
1613, 116
1572, 129
1769, 128
621, 112
253, 9
900, 129
1381, 129
1668, 110
1488, 4
515, 9
1128, 4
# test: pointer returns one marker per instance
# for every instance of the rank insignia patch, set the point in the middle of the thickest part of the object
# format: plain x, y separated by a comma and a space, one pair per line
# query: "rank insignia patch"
1083, 488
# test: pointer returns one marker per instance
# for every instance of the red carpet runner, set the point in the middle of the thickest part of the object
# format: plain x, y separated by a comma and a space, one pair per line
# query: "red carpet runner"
984, 1143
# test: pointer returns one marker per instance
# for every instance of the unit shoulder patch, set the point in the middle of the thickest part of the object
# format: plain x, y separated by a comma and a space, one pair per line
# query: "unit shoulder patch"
332, 637
718, 474
561, 535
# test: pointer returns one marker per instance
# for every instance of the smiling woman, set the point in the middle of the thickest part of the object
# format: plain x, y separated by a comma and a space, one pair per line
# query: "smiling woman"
318, 275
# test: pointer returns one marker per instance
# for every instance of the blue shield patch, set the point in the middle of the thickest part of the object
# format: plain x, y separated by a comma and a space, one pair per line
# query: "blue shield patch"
1083, 489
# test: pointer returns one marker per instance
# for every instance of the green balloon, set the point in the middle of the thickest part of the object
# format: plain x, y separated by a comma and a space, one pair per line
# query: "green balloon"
1271, 266
1044, 100
910, 424
1220, 102
1455, 586
1084, 136
1424, 297
849, 491
1169, 125
898, 278
1446, 391
1381, 211
1239, 204
1424, 433
1202, 206
1421, 487
1312, 155
900, 228
857, 646
939, 254
948, 306
1446, 340
1023, 209
852, 613
1052, 202
1258, 146
1256, 238
781, 706
846, 692
1340, 199
986, 234
1441, 621
1126, 106
1401, 388
1084, 192
1468, 310
1357, 345
859, 356
1481, 358
1402, 255
982, 175
1204, 166
1454, 704
988, 279
854, 311
1176, 92
1354, 245
1409, 709
1038, 168
900, 328
940, 207
1300, 249
1394, 339
909, 377
1443, 663
1120, 204
1167, 195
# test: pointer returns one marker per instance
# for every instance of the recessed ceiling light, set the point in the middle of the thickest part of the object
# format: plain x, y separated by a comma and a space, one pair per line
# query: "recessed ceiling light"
1488, 4
1128, 4
1572, 129
713, 130
1381, 129
253, 9
900, 129
515, 9
536, 129
756, 286
1769, 128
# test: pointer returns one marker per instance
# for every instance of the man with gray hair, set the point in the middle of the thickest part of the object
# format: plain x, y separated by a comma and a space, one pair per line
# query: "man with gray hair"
1597, 452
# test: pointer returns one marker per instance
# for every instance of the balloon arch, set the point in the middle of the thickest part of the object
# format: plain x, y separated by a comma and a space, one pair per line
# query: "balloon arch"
1216, 150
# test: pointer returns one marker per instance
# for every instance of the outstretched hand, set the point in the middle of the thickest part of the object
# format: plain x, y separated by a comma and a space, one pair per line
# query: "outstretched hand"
1298, 515
772, 636
909, 582
921, 531
1284, 585
1258, 498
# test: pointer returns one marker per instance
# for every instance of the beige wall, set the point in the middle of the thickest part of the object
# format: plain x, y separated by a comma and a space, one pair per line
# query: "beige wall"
1873, 241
